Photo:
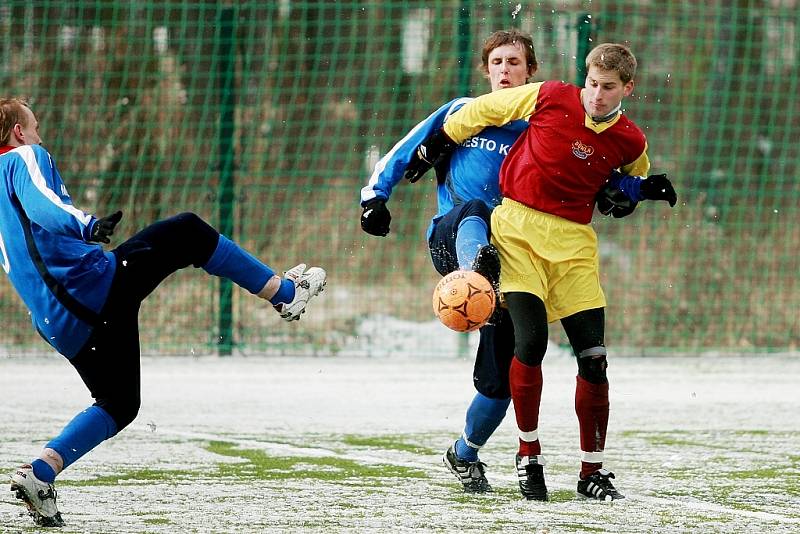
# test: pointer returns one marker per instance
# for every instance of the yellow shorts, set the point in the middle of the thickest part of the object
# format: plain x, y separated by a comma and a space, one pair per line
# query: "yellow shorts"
551, 257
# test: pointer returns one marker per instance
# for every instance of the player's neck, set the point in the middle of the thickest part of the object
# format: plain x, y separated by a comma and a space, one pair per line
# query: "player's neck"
606, 118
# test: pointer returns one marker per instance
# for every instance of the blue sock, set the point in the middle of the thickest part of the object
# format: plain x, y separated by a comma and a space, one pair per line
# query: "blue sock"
471, 236
285, 292
484, 415
85, 432
235, 263
43, 471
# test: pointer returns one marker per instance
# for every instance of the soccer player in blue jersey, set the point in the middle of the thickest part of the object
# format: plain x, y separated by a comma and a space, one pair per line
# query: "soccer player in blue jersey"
84, 301
458, 236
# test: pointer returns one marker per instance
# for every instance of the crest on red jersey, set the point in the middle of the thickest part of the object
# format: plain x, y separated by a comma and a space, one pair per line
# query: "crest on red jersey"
581, 150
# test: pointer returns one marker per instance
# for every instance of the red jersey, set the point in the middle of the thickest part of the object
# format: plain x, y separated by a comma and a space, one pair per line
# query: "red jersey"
563, 159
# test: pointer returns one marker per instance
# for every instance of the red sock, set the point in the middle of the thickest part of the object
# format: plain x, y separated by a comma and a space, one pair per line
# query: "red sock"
591, 406
526, 392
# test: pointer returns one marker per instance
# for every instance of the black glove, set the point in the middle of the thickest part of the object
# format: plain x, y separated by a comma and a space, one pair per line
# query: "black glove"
429, 153
658, 187
104, 227
375, 218
612, 201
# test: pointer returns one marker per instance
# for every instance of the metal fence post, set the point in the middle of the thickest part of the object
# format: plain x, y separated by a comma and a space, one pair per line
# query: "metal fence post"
584, 34
226, 83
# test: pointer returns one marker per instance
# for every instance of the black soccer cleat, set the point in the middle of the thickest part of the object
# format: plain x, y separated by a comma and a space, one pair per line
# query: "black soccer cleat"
598, 486
530, 470
487, 264
471, 474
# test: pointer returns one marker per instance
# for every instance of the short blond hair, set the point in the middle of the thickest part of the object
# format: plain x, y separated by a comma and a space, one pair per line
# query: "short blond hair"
11, 114
613, 56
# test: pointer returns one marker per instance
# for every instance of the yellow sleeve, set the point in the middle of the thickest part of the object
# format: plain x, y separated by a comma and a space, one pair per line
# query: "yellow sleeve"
639, 167
492, 109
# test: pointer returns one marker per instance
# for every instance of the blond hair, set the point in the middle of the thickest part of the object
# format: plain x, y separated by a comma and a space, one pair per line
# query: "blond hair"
11, 114
614, 57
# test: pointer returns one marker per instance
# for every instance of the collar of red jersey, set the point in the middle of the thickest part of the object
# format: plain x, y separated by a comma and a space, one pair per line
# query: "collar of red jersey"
6, 148
600, 126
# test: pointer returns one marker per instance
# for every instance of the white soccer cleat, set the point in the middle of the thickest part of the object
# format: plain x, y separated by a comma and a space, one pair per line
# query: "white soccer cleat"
307, 284
40, 497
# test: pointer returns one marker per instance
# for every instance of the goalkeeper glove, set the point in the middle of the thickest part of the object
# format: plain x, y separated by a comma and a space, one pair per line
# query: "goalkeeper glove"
375, 218
658, 187
429, 153
613, 201
104, 227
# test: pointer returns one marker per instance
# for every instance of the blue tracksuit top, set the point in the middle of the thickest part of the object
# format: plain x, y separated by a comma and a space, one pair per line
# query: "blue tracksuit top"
62, 278
473, 170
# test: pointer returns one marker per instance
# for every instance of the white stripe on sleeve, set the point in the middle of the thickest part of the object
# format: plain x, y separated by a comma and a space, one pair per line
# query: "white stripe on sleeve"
38, 179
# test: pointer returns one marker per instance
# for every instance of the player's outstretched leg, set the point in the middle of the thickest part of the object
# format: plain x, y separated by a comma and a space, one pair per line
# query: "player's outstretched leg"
308, 283
530, 470
598, 486
471, 474
40, 497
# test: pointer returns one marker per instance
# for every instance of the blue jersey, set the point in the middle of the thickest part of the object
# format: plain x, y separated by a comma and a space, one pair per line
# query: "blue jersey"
472, 172
62, 278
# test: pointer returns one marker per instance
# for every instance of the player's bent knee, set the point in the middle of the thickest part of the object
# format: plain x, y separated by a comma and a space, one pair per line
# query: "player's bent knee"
592, 365
530, 359
493, 390
123, 411
530, 351
477, 208
194, 236
192, 222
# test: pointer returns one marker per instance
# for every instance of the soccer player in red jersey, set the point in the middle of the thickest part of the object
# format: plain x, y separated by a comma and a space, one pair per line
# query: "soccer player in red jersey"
552, 178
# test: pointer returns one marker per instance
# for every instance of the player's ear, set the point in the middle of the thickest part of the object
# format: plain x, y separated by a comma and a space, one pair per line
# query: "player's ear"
19, 133
628, 88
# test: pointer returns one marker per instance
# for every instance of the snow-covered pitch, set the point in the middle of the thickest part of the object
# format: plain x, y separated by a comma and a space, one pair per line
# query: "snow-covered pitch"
290, 444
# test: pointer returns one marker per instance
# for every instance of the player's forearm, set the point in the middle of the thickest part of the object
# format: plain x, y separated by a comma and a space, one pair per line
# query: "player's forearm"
629, 185
389, 170
60, 219
493, 109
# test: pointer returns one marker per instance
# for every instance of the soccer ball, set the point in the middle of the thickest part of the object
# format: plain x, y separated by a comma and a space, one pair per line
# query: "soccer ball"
463, 301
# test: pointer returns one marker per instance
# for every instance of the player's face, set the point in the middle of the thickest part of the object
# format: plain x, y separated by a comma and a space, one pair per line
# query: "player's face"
604, 91
28, 134
507, 67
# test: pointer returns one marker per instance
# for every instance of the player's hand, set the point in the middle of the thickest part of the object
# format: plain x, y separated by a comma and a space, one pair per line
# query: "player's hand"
375, 218
658, 187
104, 227
428, 154
612, 201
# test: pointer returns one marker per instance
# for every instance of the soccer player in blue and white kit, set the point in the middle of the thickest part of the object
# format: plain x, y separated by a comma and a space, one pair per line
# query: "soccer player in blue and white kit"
84, 301
458, 236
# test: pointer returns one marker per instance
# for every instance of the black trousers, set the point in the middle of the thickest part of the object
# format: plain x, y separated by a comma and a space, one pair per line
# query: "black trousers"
585, 329
109, 361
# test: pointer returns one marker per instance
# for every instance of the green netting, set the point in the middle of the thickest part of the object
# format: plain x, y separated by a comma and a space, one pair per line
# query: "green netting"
266, 117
